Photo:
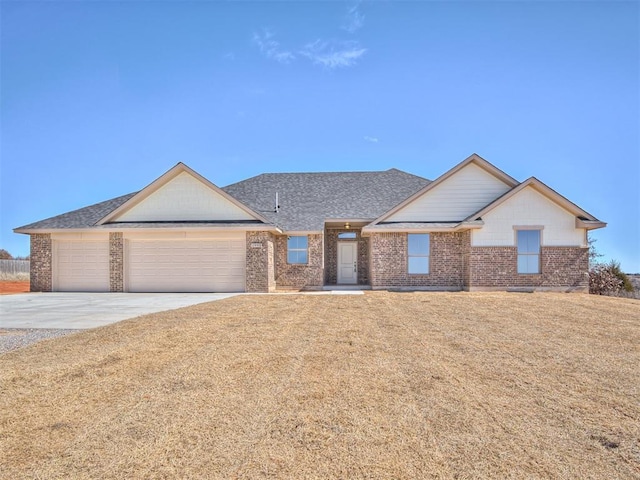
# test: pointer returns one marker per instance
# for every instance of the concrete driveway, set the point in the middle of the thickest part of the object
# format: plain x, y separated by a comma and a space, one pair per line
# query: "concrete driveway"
89, 310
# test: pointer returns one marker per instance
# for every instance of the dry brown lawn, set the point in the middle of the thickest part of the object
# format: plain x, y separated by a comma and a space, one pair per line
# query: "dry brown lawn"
383, 385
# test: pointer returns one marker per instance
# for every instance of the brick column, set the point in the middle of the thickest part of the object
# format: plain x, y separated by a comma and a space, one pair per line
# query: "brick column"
260, 270
465, 249
41, 258
116, 262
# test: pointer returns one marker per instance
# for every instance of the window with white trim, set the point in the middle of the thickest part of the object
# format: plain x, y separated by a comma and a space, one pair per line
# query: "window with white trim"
528, 242
418, 253
297, 246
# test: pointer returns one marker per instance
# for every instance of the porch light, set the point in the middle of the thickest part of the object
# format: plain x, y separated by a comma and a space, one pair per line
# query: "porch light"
347, 226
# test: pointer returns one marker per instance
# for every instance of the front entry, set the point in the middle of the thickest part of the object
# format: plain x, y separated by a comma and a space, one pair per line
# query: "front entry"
347, 262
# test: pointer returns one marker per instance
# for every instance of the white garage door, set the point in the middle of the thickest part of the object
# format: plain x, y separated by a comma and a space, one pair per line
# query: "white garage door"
81, 266
186, 265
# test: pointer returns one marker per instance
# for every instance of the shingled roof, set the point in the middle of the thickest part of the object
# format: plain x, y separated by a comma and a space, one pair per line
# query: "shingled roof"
306, 200
81, 218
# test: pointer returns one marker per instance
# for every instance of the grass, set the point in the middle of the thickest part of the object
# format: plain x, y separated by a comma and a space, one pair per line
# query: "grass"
383, 385
14, 277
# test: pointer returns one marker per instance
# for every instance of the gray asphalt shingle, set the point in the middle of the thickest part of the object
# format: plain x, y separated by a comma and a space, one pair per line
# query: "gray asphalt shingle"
81, 218
308, 199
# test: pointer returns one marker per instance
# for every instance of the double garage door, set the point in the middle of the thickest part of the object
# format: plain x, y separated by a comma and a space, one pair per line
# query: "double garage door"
186, 265
211, 265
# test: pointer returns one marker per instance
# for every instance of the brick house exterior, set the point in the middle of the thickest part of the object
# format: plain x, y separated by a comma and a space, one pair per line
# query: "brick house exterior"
331, 255
389, 262
473, 228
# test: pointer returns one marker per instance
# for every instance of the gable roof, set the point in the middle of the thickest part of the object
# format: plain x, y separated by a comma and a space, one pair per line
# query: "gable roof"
307, 200
472, 159
164, 180
583, 218
347, 196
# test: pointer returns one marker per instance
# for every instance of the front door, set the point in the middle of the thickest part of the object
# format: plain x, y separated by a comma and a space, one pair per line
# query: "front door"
347, 262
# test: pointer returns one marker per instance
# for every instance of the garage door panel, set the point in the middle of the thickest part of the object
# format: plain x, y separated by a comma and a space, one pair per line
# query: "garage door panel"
81, 266
186, 265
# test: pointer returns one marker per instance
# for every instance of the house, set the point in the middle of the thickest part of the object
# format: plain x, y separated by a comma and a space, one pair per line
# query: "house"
473, 228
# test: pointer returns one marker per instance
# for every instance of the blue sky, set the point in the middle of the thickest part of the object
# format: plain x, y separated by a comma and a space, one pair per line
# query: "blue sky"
99, 98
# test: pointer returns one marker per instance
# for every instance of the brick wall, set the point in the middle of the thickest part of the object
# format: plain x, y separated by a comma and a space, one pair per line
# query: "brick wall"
561, 267
465, 249
41, 259
260, 270
331, 255
116, 262
389, 261
297, 275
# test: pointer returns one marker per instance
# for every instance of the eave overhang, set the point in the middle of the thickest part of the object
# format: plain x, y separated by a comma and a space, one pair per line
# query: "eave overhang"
421, 227
155, 227
589, 224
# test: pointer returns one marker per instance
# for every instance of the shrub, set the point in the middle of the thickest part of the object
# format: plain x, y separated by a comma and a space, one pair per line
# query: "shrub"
608, 279
614, 268
602, 281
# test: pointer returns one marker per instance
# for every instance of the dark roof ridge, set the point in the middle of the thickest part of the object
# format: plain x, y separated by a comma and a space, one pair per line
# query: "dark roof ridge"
363, 172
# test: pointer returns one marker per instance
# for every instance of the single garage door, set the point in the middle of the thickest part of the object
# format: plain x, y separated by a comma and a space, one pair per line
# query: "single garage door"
186, 265
81, 266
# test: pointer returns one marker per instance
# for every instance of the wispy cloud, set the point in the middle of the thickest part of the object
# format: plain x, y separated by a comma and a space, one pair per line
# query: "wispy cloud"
354, 20
229, 56
371, 139
270, 47
333, 54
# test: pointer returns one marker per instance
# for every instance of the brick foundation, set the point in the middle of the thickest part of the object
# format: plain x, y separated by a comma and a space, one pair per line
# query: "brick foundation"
561, 268
260, 264
297, 275
331, 255
389, 261
41, 260
116, 262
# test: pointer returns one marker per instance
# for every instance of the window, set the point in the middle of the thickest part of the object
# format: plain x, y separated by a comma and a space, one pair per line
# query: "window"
297, 249
347, 235
418, 252
528, 251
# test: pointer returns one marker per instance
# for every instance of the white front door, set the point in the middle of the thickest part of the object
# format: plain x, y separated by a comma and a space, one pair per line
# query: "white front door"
347, 262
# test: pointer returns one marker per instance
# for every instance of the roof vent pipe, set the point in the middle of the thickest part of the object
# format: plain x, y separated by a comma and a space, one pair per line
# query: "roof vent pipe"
277, 209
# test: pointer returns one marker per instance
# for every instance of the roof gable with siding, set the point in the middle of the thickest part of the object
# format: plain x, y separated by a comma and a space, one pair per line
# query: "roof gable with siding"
181, 195
528, 207
455, 195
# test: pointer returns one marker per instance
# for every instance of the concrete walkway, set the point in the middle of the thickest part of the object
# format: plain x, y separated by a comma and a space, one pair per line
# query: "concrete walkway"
89, 310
